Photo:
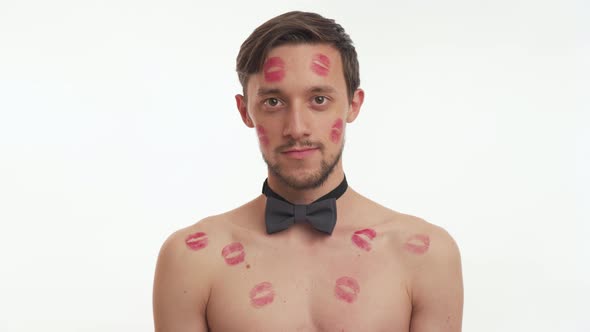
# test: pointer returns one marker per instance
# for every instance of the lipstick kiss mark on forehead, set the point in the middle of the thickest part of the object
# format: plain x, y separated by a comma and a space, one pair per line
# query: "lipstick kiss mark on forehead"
274, 69
197, 241
417, 244
320, 64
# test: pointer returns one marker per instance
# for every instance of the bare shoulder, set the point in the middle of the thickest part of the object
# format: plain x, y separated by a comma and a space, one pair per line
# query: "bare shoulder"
425, 239
185, 270
433, 263
413, 236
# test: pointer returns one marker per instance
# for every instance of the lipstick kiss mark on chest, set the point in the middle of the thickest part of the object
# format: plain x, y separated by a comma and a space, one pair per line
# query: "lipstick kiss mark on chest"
262, 294
347, 289
363, 238
233, 253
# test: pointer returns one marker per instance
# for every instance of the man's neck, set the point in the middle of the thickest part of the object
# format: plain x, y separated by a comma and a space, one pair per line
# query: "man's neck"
305, 196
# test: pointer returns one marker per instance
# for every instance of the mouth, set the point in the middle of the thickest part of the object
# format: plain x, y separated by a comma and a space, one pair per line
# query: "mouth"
300, 153
300, 149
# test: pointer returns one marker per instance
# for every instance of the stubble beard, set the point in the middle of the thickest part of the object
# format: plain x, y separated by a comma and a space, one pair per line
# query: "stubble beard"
311, 181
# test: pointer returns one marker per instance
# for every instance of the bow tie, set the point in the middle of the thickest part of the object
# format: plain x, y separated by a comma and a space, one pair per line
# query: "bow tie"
321, 214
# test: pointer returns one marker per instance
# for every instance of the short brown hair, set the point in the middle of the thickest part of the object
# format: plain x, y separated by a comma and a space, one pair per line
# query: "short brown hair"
297, 28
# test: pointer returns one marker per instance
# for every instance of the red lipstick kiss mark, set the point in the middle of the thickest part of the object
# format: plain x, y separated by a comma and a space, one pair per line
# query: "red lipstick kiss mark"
336, 132
262, 294
274, 69
197, 241
320, 64
417, 244
359, 240
233, 253
347, 289
262, 135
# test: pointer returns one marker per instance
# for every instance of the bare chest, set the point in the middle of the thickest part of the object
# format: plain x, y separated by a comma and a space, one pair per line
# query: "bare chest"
338, 288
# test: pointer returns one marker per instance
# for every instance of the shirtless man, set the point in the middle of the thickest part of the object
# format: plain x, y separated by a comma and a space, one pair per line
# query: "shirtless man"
267, 266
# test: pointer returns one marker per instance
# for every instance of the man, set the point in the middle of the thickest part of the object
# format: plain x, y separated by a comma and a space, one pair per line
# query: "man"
310, 253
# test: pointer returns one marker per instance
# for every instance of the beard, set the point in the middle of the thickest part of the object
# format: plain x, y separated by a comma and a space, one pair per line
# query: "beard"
309, 181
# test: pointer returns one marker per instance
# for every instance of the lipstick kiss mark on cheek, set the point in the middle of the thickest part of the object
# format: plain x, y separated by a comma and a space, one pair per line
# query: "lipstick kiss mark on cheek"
320, 64
336, 133
262, 135
417, 244
363, 238
262, 294
233, 253
347, 289
274, 69
197, 241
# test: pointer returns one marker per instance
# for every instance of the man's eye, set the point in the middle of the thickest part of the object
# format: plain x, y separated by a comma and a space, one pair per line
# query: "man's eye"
272, 102
320, 100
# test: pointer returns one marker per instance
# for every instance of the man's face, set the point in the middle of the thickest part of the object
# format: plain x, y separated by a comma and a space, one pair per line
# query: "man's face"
299, 106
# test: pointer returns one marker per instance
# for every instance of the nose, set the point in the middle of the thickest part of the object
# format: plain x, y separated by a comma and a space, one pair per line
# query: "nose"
297, 122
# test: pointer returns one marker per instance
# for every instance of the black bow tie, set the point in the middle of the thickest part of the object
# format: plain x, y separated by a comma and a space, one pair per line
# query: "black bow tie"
321, 214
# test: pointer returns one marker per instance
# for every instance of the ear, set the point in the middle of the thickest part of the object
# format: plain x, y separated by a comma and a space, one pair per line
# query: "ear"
355, 106
243, 109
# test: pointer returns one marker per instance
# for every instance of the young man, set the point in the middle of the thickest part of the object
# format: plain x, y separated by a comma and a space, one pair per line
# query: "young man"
310, 253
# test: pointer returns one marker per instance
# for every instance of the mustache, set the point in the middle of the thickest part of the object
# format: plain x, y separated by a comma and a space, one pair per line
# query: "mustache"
299, 144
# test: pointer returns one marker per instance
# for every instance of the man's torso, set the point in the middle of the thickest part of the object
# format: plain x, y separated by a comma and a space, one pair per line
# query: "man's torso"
357, 279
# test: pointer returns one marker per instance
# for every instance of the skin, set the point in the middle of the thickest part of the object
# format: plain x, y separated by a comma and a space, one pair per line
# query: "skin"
317, 282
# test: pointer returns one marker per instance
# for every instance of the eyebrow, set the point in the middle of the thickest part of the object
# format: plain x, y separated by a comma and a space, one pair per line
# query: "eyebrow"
314, 89
268, 91
322, 89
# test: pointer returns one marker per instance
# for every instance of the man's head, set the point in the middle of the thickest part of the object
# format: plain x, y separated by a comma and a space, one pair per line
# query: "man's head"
297, 28
299, 93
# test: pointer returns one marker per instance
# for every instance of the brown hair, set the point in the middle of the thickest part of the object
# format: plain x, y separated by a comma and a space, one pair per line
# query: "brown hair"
297, 28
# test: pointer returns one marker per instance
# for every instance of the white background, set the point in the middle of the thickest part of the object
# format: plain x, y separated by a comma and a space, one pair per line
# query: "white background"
118, 126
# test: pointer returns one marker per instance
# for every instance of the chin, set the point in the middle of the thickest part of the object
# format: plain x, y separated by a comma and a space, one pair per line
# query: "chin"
301, 177
308, 174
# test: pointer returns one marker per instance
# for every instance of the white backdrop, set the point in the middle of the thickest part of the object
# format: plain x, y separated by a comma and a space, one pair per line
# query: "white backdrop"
118, 126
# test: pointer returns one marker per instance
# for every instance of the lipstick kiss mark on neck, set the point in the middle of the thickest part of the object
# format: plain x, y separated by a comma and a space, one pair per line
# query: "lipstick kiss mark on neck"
274, 69
320, 64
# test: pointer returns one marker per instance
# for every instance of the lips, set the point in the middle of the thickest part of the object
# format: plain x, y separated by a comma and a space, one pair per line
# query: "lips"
233, 253
262, 294
358, 238
347, 289
197, 241
300, 154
